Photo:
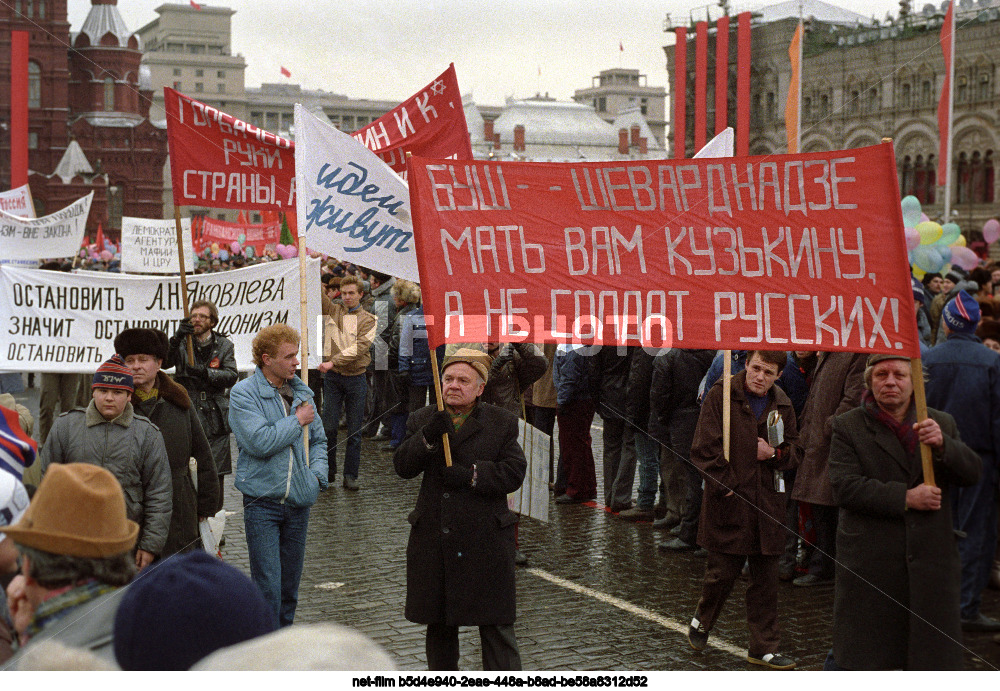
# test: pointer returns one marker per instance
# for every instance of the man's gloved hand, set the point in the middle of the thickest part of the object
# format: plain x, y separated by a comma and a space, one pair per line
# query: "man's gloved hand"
199, 371
185, 328
440, 423
456, 476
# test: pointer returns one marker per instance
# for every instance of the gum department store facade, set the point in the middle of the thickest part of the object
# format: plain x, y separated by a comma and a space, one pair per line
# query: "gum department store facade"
861, 83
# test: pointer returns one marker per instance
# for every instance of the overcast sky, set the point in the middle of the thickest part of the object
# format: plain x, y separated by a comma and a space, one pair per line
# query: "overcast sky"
388, 49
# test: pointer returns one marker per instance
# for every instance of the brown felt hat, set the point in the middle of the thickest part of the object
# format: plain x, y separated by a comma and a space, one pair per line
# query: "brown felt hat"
476, 359
78, 511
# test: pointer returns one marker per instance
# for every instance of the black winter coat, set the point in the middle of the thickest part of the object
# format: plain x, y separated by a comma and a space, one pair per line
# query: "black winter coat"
896, 602
460, 555
183, 437
611, 367
209, 392
673, 396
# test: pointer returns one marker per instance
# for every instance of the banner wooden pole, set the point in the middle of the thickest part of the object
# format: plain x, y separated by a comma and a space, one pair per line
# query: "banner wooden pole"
184, 290
920, 399
304, 321
440, 403
727, 387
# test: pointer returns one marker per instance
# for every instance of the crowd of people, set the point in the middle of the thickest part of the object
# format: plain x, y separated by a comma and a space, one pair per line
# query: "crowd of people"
823, 474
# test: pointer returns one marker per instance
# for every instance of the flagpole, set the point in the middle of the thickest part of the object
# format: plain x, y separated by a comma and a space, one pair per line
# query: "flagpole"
184, 290
304, 320
951, 114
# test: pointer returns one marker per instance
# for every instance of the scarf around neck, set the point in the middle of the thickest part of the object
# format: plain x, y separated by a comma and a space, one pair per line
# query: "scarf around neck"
903, 430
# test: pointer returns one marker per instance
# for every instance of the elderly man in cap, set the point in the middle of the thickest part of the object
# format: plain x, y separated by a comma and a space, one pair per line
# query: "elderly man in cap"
109, 433
964, 381
168, 405
896, 601
76, 547
460, 556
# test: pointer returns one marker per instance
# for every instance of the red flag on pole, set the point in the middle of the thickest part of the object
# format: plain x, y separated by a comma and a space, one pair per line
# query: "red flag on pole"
621, 48
944, 105
194, 4
100, 238
792, 112
285, 72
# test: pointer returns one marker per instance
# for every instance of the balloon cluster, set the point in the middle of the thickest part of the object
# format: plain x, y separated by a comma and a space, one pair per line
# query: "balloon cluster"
933, 247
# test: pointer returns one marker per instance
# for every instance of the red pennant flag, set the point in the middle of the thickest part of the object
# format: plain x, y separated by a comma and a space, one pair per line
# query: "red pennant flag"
285, 72
242, 219
194, 4
944, 105
621, 48
100, 238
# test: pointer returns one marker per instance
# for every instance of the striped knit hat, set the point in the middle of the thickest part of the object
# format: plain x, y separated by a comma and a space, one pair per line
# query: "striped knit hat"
113, 374
961, 314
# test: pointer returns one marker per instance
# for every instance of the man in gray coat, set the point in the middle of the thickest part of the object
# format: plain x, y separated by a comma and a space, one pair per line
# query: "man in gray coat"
896, 601
108, 433
460, 556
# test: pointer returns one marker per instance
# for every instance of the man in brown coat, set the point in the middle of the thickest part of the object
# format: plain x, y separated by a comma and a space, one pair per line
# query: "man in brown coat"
743, 507
896, 603
836, 388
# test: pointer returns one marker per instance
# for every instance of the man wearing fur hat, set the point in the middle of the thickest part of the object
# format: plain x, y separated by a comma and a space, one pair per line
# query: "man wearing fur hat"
76, 544
109, 433
460, 556
168, 405
964, 381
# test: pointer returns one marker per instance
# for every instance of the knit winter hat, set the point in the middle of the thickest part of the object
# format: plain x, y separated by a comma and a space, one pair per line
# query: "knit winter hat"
113, 374
186, 607
961, 314
918, 290
956, 275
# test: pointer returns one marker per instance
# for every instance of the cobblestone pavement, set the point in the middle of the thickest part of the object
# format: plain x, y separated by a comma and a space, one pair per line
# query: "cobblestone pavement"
597, 594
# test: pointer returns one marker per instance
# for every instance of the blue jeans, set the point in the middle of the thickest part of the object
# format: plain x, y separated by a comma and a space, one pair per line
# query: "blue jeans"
276, 543
350, 391
647, 451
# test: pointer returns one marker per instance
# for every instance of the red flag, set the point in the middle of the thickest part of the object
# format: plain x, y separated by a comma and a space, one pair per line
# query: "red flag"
100, 238
431, 123
194, 4
222, 162
794, 90
944, 105
285, 72
242, 219
621, 48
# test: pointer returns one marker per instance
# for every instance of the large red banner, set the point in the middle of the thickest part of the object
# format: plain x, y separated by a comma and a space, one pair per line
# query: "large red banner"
221, 162
791, 252
431, 123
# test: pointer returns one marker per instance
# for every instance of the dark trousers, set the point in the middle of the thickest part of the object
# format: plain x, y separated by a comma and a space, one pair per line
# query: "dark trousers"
974, 512
721, 572
692, 511
500, 652
576, 455
822, 561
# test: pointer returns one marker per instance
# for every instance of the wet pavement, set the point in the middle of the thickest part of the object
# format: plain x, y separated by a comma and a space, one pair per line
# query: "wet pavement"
596, 595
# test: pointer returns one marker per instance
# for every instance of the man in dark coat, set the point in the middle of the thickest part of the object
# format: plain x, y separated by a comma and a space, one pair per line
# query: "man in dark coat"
896, 600
460, 556
611, 369
835, 388
964, 381
209, 379
743, 506
168, 406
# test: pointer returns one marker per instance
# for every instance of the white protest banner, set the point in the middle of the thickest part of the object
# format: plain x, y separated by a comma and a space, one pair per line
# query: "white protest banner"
57, 322
532, 499
149, 246
350, 204
18, 202
49, 237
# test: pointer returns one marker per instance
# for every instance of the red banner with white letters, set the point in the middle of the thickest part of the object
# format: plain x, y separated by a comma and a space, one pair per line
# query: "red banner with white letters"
431, 123
222, 162
786, 252
260, 236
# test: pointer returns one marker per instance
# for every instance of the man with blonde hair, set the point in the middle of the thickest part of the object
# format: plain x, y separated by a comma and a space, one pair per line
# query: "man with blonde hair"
279, 481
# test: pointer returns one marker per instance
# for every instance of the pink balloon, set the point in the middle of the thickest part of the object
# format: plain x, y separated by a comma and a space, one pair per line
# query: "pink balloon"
234, 247
106, 255
287, 251
964, 257
912, 239
991, 230
924, 218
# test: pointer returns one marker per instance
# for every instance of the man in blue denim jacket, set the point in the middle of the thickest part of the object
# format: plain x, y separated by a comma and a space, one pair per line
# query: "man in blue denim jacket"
267, 413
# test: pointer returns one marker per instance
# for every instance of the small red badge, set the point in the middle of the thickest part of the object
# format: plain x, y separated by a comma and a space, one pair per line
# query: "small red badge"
214, 364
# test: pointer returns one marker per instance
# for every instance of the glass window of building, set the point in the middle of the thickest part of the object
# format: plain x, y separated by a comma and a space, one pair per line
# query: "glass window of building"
34, 85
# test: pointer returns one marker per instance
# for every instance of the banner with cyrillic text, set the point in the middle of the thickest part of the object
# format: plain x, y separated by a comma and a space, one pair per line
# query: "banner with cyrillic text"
431, 123
18, 202
351, 205
222, 162
149, 246
58, 322
784, 252
49, 237
260, 236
